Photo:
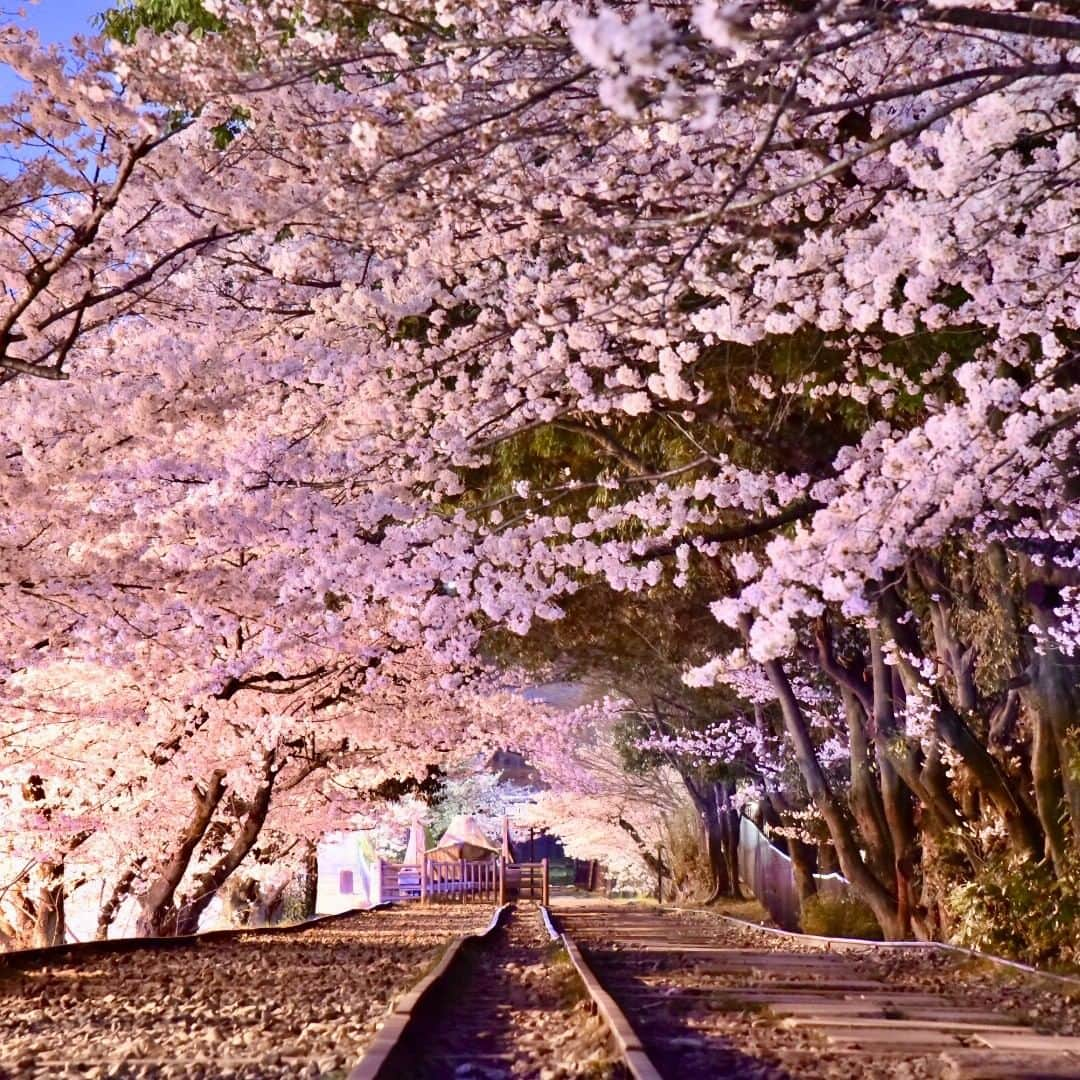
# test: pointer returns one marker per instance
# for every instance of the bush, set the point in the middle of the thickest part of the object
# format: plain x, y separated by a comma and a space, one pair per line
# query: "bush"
688, 874
839, 916
1021, 911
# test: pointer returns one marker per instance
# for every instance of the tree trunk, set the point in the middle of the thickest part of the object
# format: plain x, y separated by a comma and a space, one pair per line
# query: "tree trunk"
828, 863
900, 814
269, 904
803, 868
709, 804
42, 920
158, 916
714, 829
864, 797
729, 822
206, 884
803, 856
1046, 775
1055, 699
713, 833
1025, 836
239, 900
120, 892
879, 898
647, 855
894, 746
49, 926
311, 879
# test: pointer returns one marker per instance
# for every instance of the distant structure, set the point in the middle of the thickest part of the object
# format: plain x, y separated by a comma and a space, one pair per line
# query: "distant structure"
513, 769
347, 872
349, 864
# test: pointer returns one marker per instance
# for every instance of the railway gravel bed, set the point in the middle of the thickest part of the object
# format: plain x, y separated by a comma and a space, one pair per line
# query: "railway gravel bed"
713, 999
511, 1008
297, 1005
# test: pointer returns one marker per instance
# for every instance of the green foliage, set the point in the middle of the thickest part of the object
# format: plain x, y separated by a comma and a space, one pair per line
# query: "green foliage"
225, 132
1019, 910
561, 872
1070, 766
843, 916
571, 989
631, 639
125, 21
294, 906
394, 789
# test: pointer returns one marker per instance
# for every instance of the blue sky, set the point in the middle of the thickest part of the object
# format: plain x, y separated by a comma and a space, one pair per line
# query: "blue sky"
54, 20
57, 20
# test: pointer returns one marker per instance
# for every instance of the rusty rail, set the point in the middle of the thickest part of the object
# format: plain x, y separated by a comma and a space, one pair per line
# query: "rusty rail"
22, 958
377, 1063
626, 1038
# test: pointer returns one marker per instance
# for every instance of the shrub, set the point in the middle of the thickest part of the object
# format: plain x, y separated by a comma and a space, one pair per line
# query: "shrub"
839, 916
1019, 910
688, 866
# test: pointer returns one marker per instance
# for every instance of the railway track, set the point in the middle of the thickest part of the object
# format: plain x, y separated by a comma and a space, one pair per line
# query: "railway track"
707, 998
235, 1006
674, 994
511, 1005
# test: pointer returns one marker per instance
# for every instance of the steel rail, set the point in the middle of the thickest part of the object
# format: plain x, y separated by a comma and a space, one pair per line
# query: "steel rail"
879, 1021
377, 1060
774, 852
841, 944
626, 1038
76, 950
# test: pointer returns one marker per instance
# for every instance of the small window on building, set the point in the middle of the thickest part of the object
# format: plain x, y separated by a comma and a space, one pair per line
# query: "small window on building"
345, 883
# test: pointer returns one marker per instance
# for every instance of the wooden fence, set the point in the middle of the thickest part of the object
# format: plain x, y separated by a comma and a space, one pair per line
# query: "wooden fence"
457, 882
591, 876
528, 881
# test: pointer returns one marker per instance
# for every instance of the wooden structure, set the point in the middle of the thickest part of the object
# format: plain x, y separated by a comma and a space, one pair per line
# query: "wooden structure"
590, 875
436, 882
442, 882
528, 881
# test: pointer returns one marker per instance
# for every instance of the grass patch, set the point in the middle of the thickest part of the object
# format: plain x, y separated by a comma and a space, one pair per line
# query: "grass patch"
568, 982
734, 1003
750, 910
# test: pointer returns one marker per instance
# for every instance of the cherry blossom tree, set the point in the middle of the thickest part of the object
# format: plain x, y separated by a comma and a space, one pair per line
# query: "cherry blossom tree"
401, 327
600, 809
104, 786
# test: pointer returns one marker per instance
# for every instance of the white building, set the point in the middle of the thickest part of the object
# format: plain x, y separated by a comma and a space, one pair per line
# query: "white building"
348, 865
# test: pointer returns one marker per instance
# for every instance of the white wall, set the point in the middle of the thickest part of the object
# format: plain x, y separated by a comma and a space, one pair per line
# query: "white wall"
338, 852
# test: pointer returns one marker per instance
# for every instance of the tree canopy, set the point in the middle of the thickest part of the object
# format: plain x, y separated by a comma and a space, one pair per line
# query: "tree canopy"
724, 353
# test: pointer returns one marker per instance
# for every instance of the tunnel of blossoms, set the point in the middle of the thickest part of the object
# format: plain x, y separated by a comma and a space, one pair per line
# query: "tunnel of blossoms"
677, 400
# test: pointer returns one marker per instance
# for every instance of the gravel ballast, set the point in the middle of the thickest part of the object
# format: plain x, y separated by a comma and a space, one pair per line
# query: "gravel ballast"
297, 1005
514, 1007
